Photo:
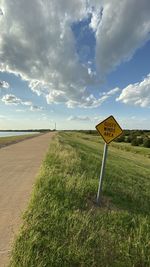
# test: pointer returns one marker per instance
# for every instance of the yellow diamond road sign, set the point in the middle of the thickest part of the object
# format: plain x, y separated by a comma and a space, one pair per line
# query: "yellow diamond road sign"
109, 129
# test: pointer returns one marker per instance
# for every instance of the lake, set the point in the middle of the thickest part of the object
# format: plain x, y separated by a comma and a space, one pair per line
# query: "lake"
4, 134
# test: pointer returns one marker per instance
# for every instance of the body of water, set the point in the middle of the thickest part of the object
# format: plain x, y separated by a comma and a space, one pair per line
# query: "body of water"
4, 134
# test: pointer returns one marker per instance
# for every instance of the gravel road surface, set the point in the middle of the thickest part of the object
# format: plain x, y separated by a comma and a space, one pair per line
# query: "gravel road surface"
19, 165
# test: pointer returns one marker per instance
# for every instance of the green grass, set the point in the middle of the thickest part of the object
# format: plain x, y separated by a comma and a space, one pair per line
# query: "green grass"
8, 140
134, 149
64, 227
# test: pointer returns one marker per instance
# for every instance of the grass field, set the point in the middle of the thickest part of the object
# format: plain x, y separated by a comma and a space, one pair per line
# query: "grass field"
8, 140
64, 227
134, 149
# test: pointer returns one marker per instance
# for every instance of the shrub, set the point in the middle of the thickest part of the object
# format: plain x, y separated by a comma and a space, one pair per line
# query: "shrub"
146, 142
134, 142
121, 139
129, 139
140, 140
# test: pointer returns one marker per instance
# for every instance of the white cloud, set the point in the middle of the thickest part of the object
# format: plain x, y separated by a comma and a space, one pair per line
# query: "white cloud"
124, 27
137, 94
91, 119
49, 62
83, 100
36, 108
96, 17
11, 99
78, 118
27, 103
37, 42
56, 96
4, 85
91, 101
112, 91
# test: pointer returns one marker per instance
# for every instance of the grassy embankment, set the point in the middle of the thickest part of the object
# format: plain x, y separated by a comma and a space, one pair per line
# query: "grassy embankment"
63, 226
9, 140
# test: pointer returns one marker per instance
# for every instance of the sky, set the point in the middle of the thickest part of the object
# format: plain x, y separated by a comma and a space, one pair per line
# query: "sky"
74, 63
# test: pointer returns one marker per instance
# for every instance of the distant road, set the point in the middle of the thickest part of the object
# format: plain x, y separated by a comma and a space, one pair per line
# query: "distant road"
19, 165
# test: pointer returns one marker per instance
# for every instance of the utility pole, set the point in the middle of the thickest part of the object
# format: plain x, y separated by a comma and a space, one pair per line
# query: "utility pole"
55, 126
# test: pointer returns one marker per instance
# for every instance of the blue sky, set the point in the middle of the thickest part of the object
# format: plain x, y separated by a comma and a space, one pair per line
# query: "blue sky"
74, 63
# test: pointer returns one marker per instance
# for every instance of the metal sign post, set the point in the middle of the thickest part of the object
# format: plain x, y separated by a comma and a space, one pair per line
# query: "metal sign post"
109, 129
102, 174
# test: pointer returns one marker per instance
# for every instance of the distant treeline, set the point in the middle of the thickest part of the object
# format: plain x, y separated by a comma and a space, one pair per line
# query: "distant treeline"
135, 137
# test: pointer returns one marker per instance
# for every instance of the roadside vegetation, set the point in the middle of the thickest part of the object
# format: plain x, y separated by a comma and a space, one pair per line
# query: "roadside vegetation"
134, 137
9, 140
63, 226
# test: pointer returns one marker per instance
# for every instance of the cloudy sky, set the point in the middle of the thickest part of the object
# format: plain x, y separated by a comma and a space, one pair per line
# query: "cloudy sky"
74, 62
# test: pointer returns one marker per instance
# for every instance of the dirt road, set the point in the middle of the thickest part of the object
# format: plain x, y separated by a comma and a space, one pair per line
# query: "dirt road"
19, 164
